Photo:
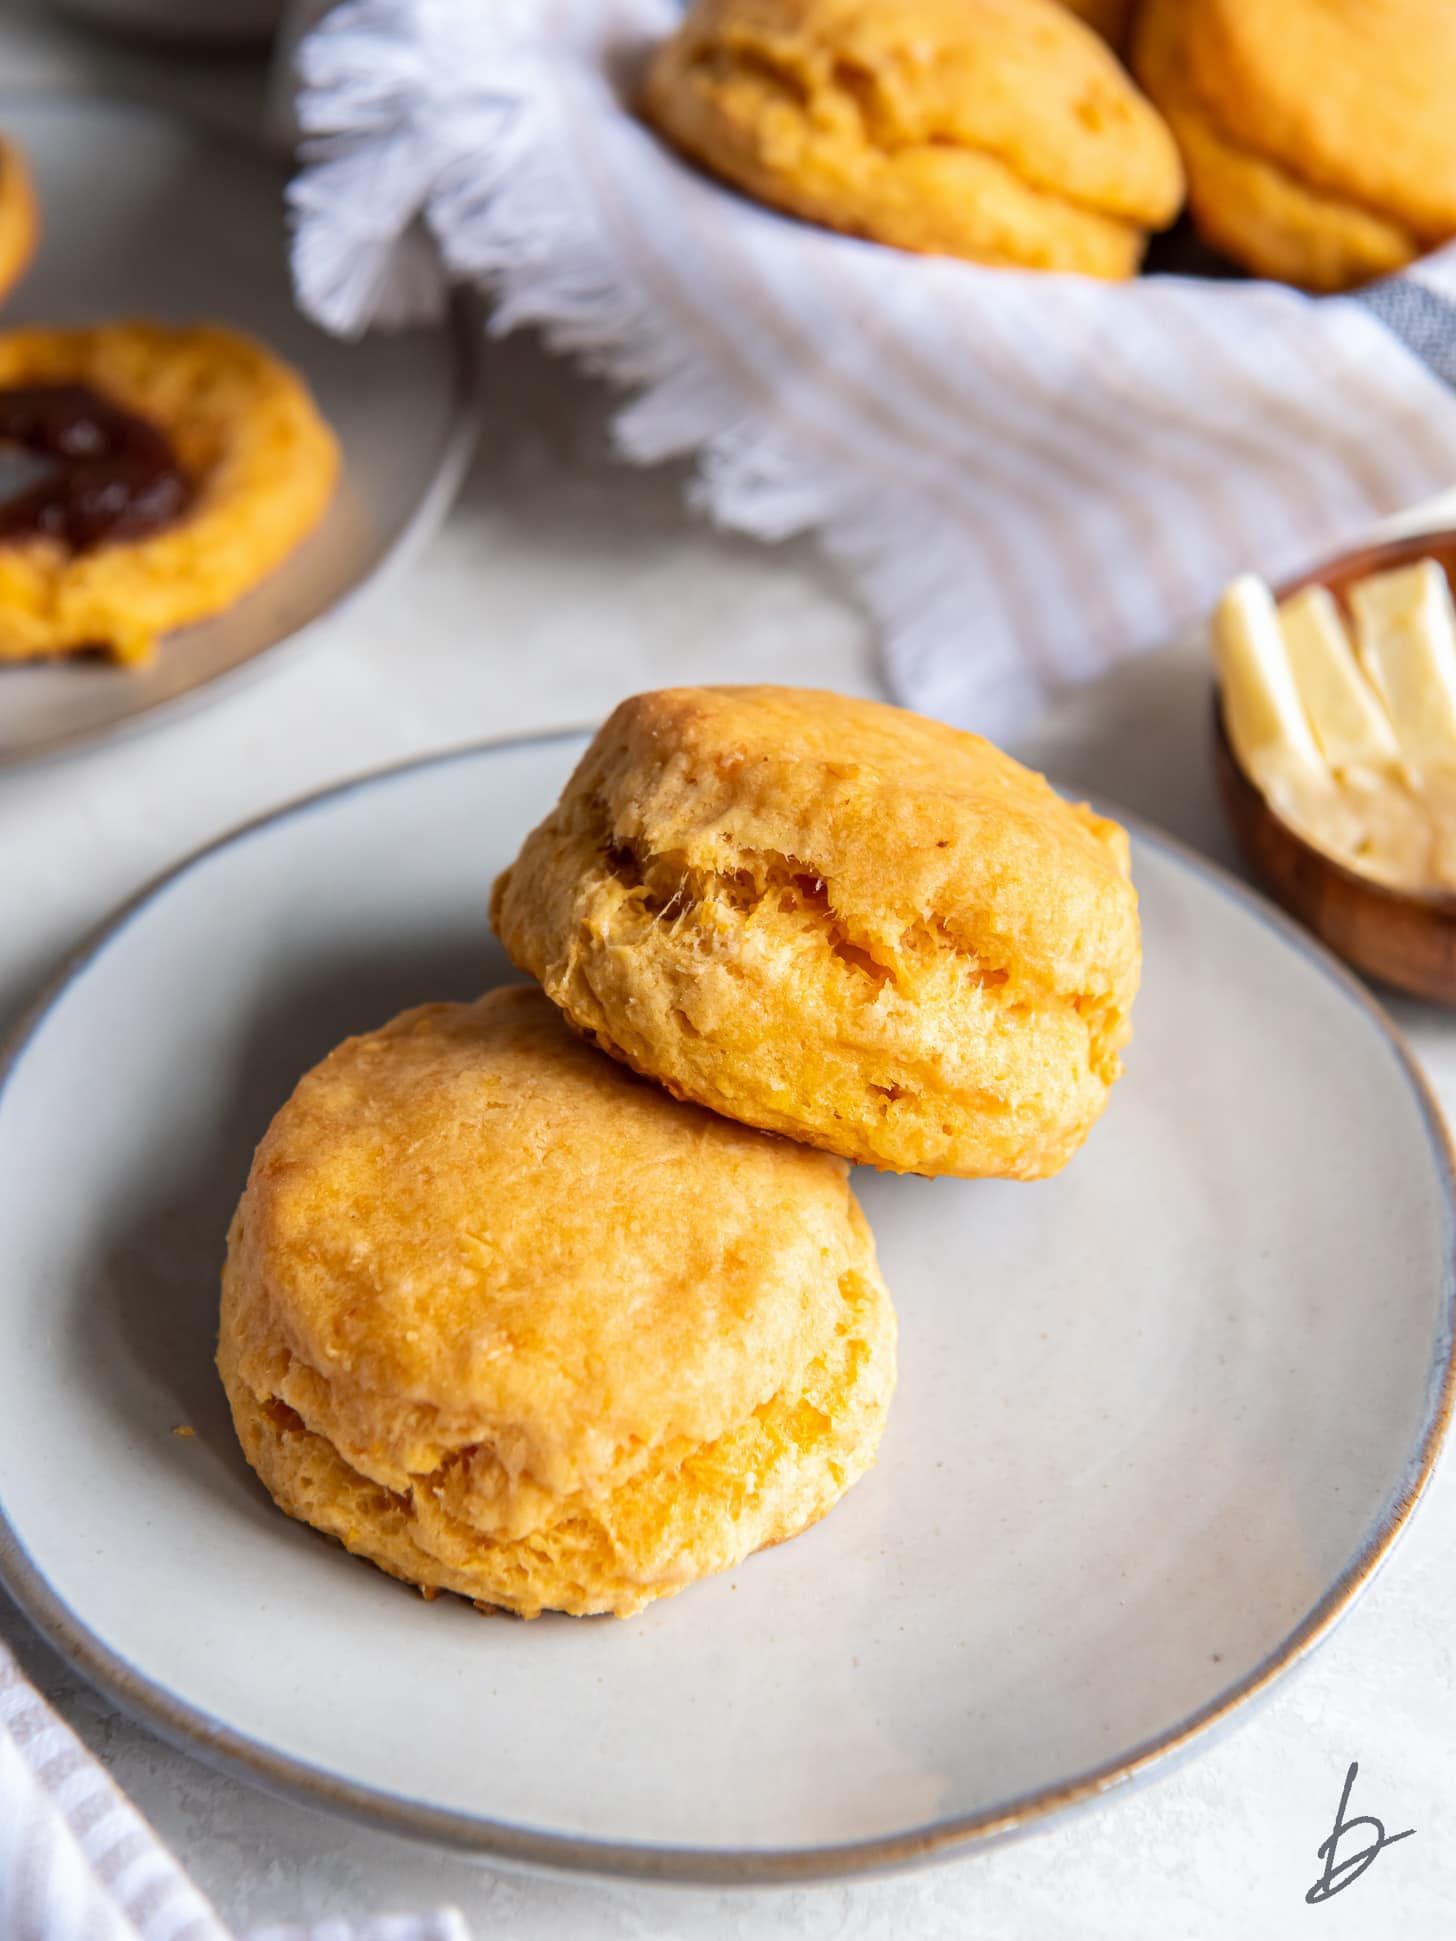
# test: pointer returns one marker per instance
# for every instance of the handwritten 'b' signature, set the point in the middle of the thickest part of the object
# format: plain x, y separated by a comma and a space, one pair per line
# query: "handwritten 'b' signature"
1340, 1874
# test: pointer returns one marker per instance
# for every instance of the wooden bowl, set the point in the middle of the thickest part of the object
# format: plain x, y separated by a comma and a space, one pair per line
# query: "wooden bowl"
1405, 937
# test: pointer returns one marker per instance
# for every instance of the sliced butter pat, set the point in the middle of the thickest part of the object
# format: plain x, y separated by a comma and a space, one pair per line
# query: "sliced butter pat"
1347, 715
1405, 636
1261, 707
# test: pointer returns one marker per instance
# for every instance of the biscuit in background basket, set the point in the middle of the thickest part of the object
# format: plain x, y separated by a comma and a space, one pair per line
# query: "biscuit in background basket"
999, 130
19, 217
229, 433
1318, 135
507, 1321
839, 921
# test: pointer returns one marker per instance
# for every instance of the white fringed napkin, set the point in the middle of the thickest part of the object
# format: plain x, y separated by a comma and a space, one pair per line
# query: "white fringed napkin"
1028, 476
79, 1863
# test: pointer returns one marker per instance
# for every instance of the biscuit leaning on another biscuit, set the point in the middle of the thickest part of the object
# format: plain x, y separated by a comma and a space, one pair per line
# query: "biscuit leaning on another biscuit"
1000, 130
839, 921
509, 1322
1318, 135
19, 217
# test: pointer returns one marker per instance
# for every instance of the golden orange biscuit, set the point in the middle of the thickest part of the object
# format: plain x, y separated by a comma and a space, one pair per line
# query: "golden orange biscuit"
999, 130
508, 1321
19, 218
260, 464
1317, 134
838, 921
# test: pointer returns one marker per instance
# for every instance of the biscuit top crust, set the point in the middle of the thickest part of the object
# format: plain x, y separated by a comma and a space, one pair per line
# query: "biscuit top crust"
1023, 80
1351, 96
901, 821
476, 1228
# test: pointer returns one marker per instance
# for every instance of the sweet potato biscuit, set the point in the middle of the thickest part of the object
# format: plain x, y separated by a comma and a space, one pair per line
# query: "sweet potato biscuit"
19, 220
510, 1322
1001, 130
838, 921
260, 461
1317, 134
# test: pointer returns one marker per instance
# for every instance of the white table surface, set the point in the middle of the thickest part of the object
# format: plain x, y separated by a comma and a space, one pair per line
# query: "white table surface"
560, 583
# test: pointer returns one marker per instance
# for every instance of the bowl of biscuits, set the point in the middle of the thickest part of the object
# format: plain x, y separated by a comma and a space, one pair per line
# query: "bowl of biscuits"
1037, 135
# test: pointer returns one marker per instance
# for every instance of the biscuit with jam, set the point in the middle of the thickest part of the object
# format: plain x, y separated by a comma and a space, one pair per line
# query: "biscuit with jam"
176, 468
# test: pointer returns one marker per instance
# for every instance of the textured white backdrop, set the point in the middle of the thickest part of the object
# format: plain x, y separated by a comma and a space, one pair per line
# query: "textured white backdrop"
560, 583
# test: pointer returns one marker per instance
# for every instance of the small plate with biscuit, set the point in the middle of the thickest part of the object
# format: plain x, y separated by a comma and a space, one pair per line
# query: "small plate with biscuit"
190, 474
754, 1267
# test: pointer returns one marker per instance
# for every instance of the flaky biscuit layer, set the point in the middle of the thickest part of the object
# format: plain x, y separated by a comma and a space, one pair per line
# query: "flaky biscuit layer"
838, 921
512, 1323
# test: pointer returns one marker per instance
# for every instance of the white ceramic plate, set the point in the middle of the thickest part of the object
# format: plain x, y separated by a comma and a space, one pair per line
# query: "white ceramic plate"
1158, 1420
144, 215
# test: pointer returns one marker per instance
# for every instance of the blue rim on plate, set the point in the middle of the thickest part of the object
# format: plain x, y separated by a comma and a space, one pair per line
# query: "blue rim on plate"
195, 1731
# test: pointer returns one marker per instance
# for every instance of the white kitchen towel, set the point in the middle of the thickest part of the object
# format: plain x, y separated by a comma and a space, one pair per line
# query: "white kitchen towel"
79, 1863
1028, 476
